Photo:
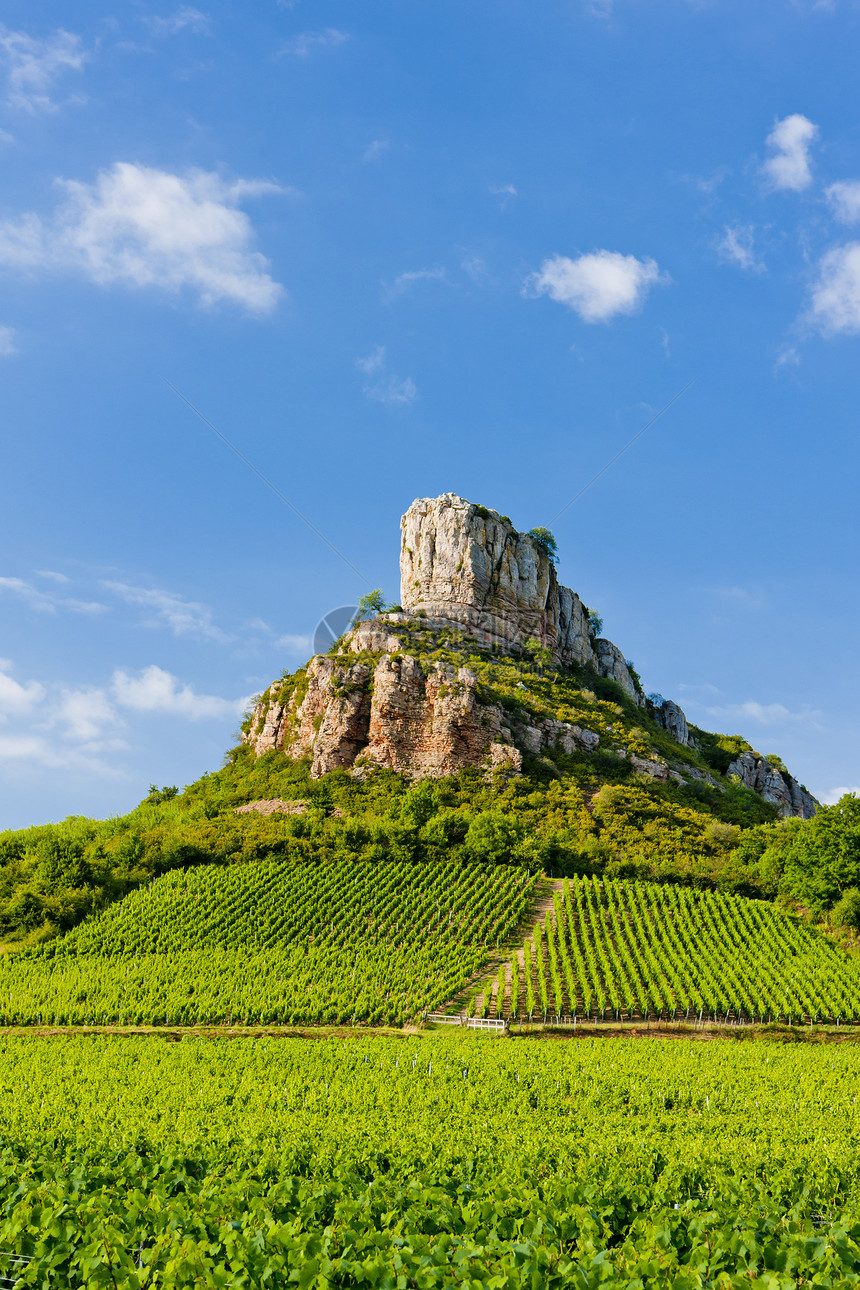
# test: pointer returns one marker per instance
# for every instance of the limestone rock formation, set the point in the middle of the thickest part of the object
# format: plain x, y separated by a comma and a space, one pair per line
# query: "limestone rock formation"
773, 785
467, 576
464, 565
674, 721
422, 722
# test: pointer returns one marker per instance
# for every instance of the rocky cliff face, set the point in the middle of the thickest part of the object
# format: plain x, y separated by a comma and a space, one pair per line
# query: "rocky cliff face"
422, 721
463, 565
674, 722
468, 579
773, 785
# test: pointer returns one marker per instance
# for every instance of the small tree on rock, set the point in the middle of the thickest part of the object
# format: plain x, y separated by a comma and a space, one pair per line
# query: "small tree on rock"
595, 623
372, 604
545, 542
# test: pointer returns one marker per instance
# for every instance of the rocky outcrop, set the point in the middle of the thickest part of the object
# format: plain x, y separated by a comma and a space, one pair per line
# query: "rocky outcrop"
402, 717
612, 664
773, 785
463, 565
674, 721
466, 575
395, 715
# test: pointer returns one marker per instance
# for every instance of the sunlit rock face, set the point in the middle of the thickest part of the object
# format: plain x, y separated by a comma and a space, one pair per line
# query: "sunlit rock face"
773, 785
465, 571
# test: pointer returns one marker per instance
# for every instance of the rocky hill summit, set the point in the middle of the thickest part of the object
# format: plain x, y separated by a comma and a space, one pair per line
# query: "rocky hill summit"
490, 663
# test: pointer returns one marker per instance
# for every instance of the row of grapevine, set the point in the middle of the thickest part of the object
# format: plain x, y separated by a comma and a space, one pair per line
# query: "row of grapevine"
637, 949
271, 943
438, 1161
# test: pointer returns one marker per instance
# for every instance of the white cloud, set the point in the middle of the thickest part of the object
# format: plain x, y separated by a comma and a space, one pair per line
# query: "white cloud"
46, 601
474, 266
765, 714
707, 183
787, 356
142, 227
596, 286
833, 796
7, 342
404, 281
19, 749
33, 65
184, 18
383, 387
737, 246
505, 191
844, 198
835, 303
303, 44
183, 617
84, 713
393, 391
154, 690
51, 575
374, 361
790, 141
295, 643
16, 699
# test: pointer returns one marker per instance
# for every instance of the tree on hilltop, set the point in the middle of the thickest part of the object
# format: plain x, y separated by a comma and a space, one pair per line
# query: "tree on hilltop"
545, 542
372, 604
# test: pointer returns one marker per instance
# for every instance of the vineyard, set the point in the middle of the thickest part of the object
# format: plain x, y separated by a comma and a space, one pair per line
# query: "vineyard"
274, 942
632, 950
405, 1161
360, 943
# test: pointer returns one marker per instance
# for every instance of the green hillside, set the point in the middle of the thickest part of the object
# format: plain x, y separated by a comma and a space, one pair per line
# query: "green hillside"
357, 942
635, 950
584, 813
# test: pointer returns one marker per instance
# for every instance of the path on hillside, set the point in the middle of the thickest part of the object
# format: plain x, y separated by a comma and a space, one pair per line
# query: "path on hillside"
543, 902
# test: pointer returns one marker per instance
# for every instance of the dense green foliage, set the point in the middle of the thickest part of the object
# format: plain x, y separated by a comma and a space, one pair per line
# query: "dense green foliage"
428, 1163
274, 942
638, 949
814, 863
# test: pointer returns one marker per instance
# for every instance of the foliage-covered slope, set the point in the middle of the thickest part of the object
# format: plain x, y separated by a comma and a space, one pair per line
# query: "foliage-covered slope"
637, 949
568, 814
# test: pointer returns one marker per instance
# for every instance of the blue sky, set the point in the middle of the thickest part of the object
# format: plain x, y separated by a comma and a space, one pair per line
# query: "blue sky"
398, 249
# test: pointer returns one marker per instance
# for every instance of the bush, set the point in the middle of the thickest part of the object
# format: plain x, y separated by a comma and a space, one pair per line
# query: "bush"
846, 912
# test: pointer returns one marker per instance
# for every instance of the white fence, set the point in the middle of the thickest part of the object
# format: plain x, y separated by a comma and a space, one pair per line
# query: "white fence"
496, 1024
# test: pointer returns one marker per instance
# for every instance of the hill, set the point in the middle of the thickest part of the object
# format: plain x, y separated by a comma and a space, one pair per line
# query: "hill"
487, 722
